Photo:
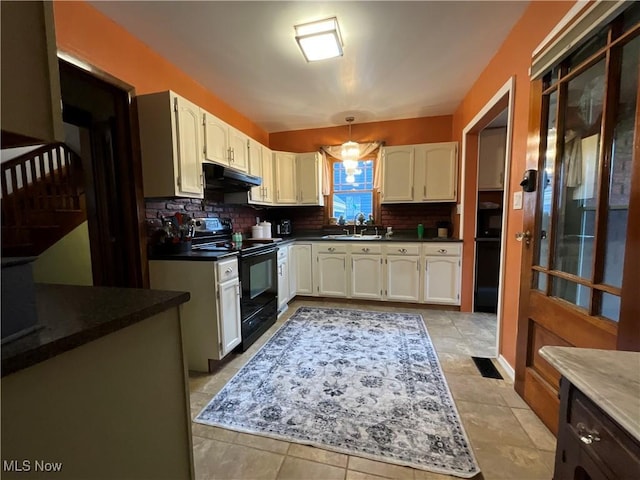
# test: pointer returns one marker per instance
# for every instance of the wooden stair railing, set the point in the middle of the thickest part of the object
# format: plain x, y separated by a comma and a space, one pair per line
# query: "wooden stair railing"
38, 189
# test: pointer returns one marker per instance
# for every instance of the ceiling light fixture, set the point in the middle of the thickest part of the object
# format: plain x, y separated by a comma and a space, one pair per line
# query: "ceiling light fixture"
319, 40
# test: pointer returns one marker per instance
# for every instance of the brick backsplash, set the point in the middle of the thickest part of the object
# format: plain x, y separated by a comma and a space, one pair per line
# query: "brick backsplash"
408, 216
243, 217
401, 216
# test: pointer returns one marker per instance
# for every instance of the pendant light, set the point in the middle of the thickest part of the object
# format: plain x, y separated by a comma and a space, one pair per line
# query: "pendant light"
350, 154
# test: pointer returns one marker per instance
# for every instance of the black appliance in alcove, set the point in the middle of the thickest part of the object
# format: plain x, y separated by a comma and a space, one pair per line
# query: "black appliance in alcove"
487, 274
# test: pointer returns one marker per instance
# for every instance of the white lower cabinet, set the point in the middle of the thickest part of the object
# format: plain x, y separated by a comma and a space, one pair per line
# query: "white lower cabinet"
283, 279
229, 309
442, 273
300, 268
331, 271
402, 278
366, 279
213, 312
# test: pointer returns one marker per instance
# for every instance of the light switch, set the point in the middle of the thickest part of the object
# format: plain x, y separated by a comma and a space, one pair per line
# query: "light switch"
458, 209
517, 200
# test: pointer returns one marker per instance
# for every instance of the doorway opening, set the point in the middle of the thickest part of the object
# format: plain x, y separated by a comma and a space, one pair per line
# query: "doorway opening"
492, 129
98, 127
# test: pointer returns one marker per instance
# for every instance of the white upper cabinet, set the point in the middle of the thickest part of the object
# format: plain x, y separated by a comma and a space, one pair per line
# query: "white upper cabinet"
419, 173
309, 178
298, 178
31, 106
171, 144
285, 178
261, 165
436, 169
216, 139
397, 174
239, 154
491, 155
224, 144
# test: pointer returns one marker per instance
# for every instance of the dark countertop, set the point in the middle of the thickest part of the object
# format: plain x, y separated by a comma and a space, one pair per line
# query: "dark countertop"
194, 255
394, 238
70, 316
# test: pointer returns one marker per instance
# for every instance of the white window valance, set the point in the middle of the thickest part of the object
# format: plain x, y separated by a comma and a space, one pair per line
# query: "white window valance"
366, 149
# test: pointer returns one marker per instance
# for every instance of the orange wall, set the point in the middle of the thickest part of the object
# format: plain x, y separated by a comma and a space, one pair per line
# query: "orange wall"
393, 132
84, 32
512, 59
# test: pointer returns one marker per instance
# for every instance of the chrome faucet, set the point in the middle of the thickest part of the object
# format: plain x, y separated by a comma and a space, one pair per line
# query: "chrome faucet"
346, 231
355, 221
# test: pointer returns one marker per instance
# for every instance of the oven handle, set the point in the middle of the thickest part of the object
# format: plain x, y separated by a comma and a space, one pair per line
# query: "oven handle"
261, 252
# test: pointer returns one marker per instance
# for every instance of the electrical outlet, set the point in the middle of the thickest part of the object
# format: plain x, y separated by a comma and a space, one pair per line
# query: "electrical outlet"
517, 200
458, 209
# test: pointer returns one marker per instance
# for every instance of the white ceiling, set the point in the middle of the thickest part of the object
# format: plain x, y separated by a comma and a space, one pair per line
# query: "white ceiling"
401, 59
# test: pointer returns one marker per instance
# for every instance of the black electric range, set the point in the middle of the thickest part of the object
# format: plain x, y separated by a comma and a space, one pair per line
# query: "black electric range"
257, 267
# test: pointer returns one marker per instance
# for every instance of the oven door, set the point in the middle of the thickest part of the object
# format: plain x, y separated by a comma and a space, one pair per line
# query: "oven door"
259, 282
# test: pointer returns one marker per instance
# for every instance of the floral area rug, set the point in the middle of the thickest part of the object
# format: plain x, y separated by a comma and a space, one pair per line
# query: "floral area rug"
357, 382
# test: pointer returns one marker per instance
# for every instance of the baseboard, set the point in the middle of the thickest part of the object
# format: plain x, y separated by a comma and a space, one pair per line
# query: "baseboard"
508, 369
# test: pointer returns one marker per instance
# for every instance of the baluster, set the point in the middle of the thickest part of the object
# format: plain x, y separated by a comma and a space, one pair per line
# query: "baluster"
6, 199
44, 199
35, 186
14, 189
26, 200
53, 198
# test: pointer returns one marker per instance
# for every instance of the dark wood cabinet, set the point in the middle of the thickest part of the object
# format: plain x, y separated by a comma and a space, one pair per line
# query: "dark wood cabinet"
591, 446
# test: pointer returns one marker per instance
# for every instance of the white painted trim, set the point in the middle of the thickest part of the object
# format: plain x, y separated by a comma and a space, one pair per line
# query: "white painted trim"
508, 369
564, 21
507, 89
587, 23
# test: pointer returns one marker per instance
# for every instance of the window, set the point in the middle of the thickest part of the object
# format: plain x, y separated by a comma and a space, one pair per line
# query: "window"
352, 198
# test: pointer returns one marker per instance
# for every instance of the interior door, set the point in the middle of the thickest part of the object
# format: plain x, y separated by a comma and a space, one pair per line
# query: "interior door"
576, 260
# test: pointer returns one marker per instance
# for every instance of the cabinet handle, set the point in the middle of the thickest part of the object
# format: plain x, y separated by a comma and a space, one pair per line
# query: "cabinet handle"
239, 291
365, 250
331, 249
233, 155
424, 191
442, 250
228, 270
402, 250
587, 436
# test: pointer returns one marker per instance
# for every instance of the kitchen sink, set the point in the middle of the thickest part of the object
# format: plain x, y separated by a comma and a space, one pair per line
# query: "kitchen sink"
352, 237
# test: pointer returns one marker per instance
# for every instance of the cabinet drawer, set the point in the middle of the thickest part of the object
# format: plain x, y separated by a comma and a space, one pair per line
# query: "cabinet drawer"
601, 437
331, 247
365, 249
227, 269
447, 249
402, 249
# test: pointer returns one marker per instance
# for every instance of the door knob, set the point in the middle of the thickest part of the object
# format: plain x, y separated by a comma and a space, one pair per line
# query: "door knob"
526, 236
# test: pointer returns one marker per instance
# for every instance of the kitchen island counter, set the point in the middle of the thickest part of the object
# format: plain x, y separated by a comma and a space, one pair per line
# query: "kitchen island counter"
70, 316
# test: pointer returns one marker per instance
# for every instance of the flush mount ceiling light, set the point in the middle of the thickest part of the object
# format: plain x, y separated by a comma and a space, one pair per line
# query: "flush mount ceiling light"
319, 40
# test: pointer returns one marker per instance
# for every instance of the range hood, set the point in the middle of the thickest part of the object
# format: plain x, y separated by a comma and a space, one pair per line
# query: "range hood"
222, 179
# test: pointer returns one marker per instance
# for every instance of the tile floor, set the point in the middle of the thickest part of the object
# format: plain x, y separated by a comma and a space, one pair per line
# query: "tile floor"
508, 439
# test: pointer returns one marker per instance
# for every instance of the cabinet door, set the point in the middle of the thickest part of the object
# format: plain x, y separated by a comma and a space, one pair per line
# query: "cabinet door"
216, 140
438, 168
291, 259
267, 175
189, 148
366, 276
301, 255
308, 179
442, 280
31, 106
332, 274
491, 154
403, 278
255, 168
397, 174
239, 144
283, 284
229, 314
285, 177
